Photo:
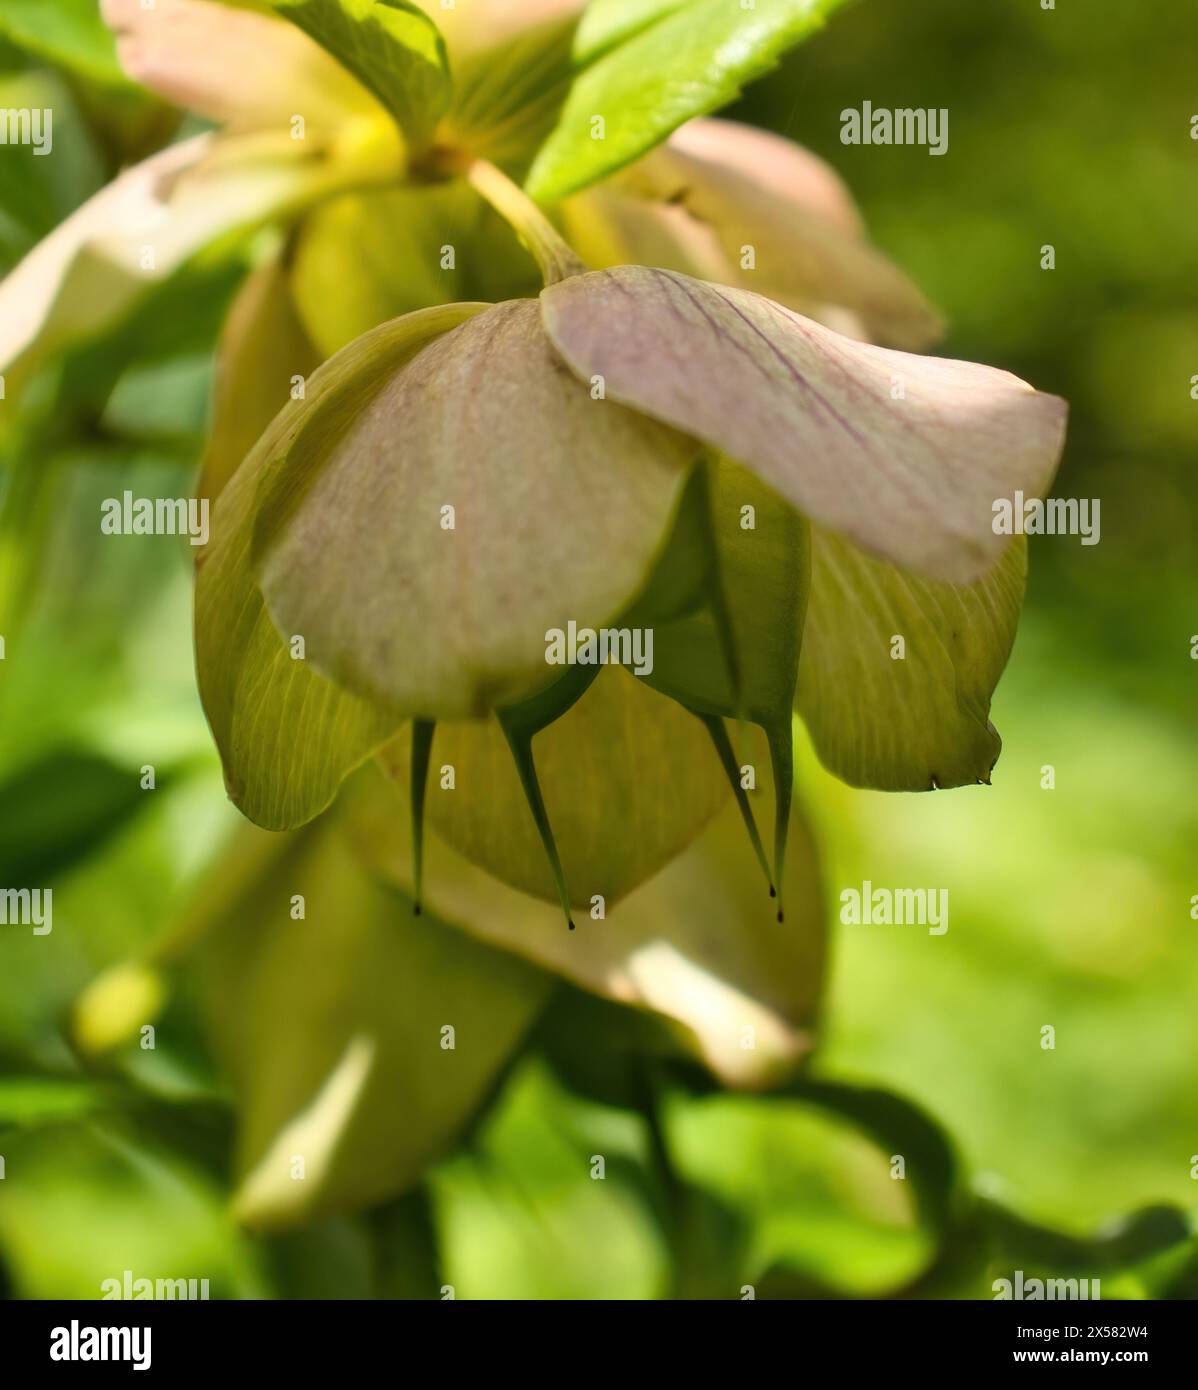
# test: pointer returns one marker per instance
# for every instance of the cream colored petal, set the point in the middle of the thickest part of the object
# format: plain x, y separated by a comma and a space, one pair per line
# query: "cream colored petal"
144, 225
110, 228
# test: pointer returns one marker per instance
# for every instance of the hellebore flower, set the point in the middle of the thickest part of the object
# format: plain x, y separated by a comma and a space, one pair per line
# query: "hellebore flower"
653, 446
429, 465
634, 448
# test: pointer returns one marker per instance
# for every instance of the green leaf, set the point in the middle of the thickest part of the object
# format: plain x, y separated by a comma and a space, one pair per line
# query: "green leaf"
606, 23
391, 46
696, 943
58, 810
287, 736
82, 1202
693, 59
824, 1214
331, 1027
915, 721
68, 33
522, 1217
30, 1102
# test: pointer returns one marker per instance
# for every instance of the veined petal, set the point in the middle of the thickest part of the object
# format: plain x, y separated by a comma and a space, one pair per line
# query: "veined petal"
330, 1032
609, 226
905, 455
921, 722
788, 227
481, 498
769, 164
248, 70
287, 736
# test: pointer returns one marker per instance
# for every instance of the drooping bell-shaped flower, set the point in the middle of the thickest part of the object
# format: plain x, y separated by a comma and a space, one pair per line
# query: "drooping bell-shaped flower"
636, 450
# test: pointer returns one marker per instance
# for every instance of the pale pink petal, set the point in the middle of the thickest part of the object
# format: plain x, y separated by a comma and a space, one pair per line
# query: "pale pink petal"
249, 70
788, 227
772, 164
561, 502
905, 455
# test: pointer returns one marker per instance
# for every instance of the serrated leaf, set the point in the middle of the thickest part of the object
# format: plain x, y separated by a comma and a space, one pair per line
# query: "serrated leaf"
918, 720
332, 1030
391, 46
692, 60
287, 736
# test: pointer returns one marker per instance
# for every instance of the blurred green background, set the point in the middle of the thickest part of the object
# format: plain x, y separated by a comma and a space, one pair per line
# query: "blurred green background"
1070, 907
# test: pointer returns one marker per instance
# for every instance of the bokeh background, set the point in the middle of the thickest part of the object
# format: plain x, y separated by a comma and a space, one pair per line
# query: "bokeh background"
1070, 907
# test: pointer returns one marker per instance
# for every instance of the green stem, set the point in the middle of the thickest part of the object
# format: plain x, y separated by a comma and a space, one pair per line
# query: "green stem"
534, 229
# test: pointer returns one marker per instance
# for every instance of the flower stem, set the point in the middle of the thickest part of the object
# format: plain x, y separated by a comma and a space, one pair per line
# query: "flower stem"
557, 261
